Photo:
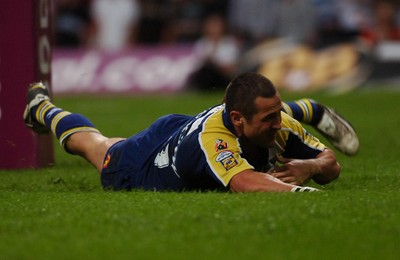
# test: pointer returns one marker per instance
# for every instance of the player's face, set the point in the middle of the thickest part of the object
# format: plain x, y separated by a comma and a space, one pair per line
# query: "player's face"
264, 125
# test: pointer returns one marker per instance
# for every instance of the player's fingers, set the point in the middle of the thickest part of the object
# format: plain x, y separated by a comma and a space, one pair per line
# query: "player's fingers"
280, 169
284, 178
278, 174
290, 179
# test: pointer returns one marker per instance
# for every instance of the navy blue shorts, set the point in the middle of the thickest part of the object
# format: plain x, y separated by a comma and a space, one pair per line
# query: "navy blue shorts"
115, 176
130, 163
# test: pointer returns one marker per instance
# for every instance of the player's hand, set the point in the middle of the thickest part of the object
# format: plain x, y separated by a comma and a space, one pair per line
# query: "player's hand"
294, 171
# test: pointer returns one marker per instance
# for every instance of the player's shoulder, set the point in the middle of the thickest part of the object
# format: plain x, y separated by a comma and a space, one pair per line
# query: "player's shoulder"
289, 123
291, 128
215, 129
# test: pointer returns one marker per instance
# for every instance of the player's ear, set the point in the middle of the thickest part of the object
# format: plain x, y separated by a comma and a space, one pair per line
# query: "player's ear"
236, 118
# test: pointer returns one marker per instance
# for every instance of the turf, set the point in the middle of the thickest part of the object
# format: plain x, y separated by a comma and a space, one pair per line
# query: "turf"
61, 212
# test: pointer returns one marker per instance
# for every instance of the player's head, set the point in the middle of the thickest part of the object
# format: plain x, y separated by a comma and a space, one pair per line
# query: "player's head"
254, 107
244, 89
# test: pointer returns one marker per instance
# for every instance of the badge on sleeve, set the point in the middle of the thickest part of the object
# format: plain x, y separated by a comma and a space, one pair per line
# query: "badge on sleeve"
227, 160
220, 145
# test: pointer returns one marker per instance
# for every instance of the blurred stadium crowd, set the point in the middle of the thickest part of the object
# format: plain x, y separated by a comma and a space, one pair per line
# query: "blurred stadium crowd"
222, 30
112, 24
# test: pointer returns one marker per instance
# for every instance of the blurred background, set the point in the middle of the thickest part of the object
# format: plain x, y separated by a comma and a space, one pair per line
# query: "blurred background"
147, 46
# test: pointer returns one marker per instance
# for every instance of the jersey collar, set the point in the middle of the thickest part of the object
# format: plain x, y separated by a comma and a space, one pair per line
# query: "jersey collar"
227, 121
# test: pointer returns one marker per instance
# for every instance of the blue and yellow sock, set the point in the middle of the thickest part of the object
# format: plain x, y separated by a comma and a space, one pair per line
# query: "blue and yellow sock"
305, 110
61, 123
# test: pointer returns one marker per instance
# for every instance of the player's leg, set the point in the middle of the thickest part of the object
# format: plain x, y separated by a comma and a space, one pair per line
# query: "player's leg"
326, 121
305, 110
76, 134
92, 146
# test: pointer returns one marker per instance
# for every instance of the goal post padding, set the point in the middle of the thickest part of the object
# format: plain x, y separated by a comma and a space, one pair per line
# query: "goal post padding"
25, 57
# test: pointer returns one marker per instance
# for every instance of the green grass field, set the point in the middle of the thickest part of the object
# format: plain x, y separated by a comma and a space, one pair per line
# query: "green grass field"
62, 213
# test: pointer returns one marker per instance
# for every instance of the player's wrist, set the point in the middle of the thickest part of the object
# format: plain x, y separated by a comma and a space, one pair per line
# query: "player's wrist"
303, 189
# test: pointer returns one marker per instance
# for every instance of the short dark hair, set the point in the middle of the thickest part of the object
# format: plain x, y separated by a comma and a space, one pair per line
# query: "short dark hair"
244, 89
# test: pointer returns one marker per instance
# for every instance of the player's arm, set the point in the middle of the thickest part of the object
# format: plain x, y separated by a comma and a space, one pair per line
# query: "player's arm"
327, 167
252, 181
322, 169
306, 157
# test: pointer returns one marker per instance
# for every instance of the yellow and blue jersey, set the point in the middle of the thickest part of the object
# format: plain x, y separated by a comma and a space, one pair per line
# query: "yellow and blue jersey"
202, 152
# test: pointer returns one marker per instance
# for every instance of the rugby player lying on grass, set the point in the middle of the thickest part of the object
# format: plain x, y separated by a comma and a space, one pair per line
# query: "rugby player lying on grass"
249, 143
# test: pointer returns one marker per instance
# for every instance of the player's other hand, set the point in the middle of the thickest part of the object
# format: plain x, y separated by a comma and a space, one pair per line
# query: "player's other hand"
293, 171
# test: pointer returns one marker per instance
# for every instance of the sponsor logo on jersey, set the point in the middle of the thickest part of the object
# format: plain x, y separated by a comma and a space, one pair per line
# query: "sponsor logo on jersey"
220, 145
227, 160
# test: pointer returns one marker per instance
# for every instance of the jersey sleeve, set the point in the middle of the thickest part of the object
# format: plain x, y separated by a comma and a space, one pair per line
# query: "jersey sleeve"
222, 151
223, 156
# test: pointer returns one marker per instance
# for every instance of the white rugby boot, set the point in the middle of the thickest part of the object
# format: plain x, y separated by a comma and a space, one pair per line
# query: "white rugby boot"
37, 93
339, 132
